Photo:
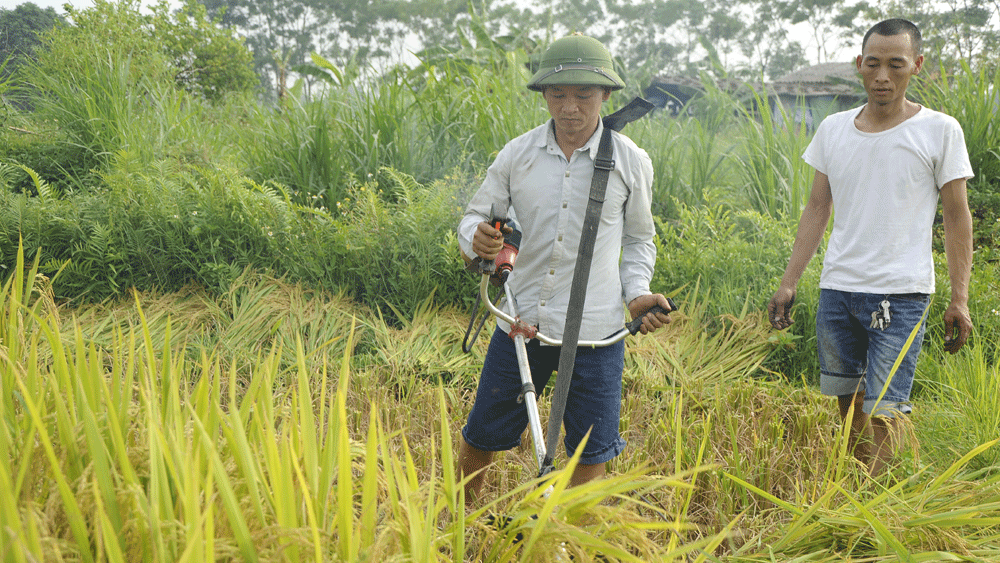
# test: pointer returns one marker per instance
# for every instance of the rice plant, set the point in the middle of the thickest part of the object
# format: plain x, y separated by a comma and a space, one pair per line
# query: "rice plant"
128, 451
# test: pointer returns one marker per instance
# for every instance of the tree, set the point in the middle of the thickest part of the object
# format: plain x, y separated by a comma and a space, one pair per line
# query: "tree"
646, 42
208, 61
971, 26
747, 37
20, 34
953, 30
283, 33
819, 14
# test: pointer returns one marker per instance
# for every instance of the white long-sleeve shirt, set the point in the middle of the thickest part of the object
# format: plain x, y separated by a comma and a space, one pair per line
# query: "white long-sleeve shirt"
549, 197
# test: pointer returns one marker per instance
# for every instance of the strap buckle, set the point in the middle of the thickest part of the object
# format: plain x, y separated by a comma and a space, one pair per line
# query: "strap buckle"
604, 163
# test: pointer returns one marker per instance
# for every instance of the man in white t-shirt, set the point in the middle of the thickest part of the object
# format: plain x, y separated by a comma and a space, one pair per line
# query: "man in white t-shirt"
880, 170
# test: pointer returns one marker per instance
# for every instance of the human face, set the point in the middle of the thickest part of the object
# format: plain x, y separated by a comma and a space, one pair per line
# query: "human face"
575, 109
886, 65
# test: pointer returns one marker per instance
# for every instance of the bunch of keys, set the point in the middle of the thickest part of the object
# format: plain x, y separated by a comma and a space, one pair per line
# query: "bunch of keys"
881, 316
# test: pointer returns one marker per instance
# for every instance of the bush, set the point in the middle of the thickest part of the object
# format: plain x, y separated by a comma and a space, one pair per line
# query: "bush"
389, 244
396, 245
148, 231
737, 259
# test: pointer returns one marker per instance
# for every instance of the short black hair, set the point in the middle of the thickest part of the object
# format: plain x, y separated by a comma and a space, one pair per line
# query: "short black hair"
896, 26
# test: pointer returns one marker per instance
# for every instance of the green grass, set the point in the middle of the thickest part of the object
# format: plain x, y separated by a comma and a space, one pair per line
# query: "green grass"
237, 336
279, 423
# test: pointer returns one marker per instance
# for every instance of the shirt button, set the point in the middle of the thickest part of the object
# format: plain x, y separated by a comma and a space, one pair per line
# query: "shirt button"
567, 173
560, 238
552, 272
542, 303
564, 205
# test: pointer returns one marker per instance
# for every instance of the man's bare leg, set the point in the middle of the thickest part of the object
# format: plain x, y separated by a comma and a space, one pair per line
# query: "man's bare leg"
473, 461
885, 433
585, 473
859, 437
872, 439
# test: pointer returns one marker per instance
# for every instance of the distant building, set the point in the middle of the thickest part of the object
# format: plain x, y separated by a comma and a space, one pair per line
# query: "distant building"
812, 93
808, 94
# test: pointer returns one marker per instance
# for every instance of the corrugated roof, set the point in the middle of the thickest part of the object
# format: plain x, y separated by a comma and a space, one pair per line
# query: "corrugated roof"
824, 73
824, 79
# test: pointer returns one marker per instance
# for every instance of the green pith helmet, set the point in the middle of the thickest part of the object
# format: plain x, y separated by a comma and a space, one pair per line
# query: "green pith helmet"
576, 59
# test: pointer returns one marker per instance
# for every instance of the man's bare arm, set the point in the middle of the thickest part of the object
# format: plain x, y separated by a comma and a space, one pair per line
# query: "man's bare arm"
812, 225
958, 249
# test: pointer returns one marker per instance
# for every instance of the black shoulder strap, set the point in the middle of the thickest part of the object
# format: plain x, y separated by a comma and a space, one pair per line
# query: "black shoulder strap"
632, 111
603, 165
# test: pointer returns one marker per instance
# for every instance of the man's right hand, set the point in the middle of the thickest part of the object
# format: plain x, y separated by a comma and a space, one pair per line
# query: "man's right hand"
779, 310
488, 242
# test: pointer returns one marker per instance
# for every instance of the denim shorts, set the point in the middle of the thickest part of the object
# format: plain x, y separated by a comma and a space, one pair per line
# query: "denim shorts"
854, 357
498, 420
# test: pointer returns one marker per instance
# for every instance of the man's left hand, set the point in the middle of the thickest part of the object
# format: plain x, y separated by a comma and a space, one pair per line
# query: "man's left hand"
957, 327
650, 321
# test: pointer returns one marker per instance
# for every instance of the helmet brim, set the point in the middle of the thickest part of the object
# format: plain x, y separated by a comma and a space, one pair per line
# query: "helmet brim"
575, 75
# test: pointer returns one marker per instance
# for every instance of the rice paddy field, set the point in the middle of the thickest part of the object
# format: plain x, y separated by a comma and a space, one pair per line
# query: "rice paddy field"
232, 330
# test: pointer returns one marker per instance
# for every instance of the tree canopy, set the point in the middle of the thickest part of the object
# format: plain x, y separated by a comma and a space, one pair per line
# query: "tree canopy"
742, 38
208, 41
20, 34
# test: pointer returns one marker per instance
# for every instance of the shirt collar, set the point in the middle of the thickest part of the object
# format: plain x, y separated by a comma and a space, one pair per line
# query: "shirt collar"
549, 140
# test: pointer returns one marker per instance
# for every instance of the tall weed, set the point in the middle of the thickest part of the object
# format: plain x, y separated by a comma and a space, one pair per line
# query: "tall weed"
973, 98
300, 147
775, 179
95, 81
468, 110
688, 151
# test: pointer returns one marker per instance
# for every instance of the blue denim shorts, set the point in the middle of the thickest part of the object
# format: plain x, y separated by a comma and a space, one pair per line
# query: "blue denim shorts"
854, 357
498, 420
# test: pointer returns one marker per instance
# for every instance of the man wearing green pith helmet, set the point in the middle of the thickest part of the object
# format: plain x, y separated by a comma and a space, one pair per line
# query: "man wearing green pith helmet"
544, 176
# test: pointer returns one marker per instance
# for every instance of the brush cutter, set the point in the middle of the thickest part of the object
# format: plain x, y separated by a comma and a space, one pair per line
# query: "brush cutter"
521, 333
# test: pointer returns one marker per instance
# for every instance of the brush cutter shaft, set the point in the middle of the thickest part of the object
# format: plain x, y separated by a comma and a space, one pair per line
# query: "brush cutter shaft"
529, 394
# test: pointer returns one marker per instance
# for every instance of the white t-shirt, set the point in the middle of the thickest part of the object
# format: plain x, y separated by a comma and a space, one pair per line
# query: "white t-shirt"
885, 193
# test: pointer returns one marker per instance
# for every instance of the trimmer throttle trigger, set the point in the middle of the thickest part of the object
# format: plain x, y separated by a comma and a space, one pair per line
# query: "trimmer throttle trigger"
498, 217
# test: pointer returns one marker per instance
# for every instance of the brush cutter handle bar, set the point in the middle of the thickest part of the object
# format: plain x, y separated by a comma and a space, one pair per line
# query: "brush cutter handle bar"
528, 396
632, 327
